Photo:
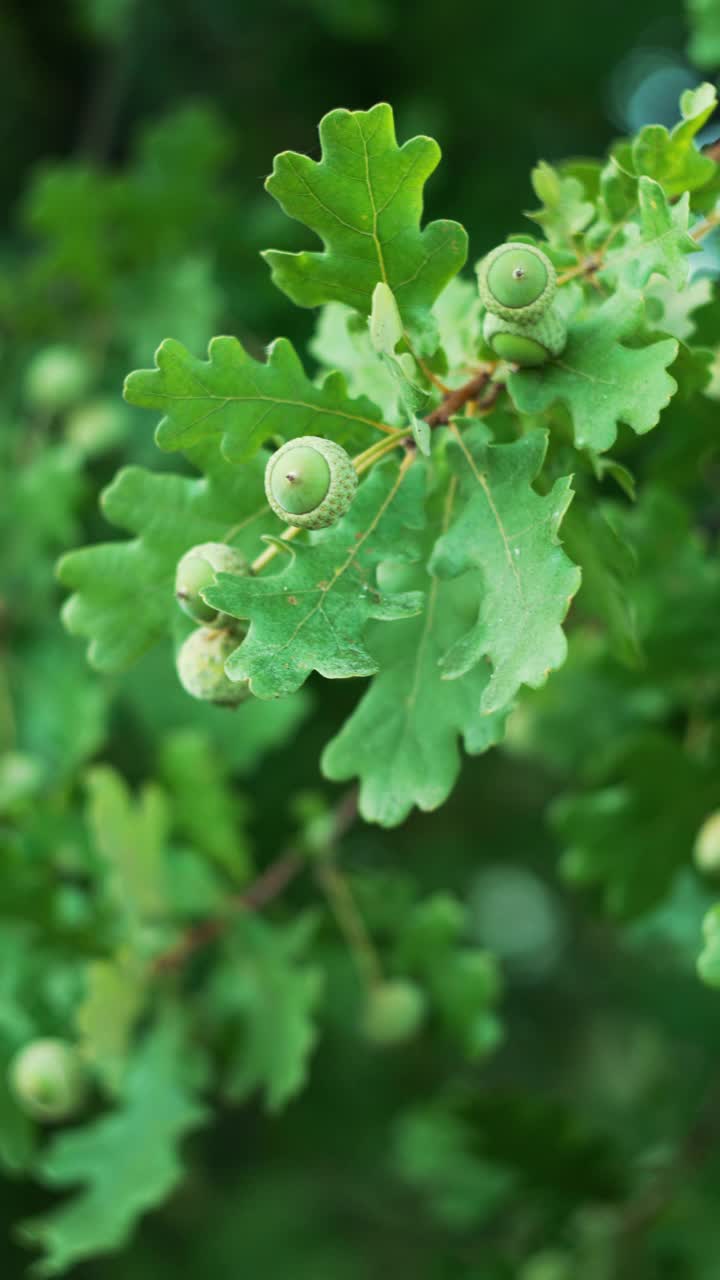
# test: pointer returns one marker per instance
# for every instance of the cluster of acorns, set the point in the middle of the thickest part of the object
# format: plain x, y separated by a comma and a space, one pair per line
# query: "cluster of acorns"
517, 285
310, 483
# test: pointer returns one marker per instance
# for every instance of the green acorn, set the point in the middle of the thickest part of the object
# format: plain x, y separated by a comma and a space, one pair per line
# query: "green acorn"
707, 844
48, 1079
197, 569
394, 1012
526, 344
56, 378
517, 281
310, 482
201, 667
96, 426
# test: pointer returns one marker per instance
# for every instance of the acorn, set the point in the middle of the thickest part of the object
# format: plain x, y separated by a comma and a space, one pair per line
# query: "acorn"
707, 844
196, 571
310, 482
394, 1012
56, 378
48, 1079
517, 285
201, 667
516, 281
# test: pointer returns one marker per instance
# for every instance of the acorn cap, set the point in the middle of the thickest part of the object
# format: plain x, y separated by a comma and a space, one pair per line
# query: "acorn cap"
310, 482
516, 281
523, 344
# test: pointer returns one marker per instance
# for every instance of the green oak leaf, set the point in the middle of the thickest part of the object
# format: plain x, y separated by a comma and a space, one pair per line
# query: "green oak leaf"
631, 836
241, 402
458, 313
402, 740
600, 380
60, 708
124, 591
206, 809
708, 963
608, 562
364, 200
508, 534
386, 332
673, 311
693, 371
311, 616
434, 1152
130, 836
114, 996
660, 244
618, 187
672, 158
266, 996
125, 1162
677, 587
565, 212
603, 465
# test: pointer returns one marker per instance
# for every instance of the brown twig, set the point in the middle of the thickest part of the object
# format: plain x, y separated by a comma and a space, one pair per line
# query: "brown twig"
268, 886
455, 400
492, 394
587, 267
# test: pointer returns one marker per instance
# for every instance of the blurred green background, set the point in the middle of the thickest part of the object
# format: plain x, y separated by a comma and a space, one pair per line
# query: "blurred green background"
134, 140
497, 88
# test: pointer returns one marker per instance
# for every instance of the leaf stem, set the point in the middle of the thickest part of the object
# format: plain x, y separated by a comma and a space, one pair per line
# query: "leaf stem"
432, 377
350, 922
706, 226
592, 264
378, 450
587, 267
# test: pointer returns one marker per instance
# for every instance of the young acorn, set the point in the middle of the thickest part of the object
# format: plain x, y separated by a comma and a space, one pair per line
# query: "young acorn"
707, 844
201, 666
517, 285
310, 482
57, 378
394, 1012
47, 1078
196, 570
